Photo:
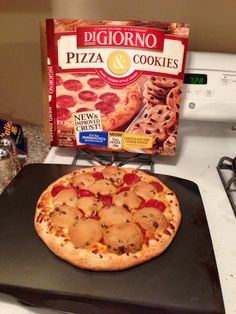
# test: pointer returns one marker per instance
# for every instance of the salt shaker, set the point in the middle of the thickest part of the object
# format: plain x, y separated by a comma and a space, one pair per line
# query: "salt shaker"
8, 142
6, 173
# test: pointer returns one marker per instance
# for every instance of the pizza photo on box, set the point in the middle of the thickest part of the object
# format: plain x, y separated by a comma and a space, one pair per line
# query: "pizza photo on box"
115, 85
88, 92
107, 218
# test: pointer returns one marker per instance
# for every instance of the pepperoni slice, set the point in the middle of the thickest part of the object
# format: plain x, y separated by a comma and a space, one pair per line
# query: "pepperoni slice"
96, 82
83, 192
58, 80
110, 98
63, 114
131, 178
65, 101
87, 96
158, 186
142, 203
98, 175
58, 188
73, 85
156, 204
106, 199
104, 107
123, 189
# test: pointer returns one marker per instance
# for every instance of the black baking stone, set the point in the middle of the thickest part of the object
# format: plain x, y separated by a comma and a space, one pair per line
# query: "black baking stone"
184, 279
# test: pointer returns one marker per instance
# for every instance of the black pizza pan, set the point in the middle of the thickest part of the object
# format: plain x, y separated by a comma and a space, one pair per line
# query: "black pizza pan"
184, 279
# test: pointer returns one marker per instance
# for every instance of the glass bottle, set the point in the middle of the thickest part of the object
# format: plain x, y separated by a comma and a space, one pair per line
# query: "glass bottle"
6, 171
8, 142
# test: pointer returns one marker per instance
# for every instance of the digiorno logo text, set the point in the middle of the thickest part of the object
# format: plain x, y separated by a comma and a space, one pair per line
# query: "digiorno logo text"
120, 36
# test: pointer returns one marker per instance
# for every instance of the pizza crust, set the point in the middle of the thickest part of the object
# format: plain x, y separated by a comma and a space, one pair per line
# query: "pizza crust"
105, 261
97, 256
124, 113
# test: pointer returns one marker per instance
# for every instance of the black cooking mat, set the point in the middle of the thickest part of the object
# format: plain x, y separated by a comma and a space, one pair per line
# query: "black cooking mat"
183, 279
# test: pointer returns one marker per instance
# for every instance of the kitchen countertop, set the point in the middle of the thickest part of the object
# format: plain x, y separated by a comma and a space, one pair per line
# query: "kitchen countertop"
37, 148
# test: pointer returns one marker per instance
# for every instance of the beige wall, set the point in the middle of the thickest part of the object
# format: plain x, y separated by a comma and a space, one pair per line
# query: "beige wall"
20, 72
213, 28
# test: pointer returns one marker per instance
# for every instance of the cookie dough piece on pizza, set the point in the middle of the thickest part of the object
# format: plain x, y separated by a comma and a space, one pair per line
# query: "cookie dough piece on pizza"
102, 187
114, 215
65, 216
114, 174
85, 232
82, 181
89, 205
127, 199
123, 238
66, 196
150, 219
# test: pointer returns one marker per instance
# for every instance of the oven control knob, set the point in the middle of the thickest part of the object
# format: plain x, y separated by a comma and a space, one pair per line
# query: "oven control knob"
192, 105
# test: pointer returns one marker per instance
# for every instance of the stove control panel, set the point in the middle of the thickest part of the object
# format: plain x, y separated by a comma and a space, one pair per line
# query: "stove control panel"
209, 87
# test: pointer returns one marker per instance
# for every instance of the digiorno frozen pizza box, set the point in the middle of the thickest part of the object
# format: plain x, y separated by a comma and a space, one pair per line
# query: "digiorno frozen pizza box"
115, 85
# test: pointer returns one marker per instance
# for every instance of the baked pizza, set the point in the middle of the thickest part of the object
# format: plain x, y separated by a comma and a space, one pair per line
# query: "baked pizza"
78, 92
106, 218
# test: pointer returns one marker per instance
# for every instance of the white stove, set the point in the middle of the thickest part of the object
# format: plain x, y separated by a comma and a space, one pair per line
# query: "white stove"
206, 134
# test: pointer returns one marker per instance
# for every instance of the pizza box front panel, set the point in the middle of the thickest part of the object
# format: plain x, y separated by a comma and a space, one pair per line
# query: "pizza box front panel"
115, 85
183, 278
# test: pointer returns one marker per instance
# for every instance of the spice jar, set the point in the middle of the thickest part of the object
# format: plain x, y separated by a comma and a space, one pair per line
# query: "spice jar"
8, 142
6, 173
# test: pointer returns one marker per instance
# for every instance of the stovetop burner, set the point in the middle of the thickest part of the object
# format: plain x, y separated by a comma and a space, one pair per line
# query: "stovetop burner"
227, 171
120, 159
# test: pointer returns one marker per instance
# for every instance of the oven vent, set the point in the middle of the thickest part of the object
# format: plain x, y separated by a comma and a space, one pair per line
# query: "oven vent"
119, 159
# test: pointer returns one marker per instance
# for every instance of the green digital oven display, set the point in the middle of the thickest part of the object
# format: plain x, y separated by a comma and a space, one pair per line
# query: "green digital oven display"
193, 78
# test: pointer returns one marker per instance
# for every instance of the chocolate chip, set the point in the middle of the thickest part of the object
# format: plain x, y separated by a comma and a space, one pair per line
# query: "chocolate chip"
121, 250
155, 224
